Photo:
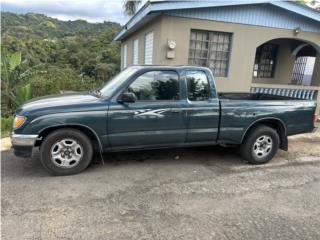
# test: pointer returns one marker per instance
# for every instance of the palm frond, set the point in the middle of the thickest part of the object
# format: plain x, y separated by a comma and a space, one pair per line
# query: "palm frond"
130, 7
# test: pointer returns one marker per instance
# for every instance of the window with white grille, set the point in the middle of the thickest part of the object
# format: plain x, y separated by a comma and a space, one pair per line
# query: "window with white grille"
135, 52
210, 49
148, 48
124, 55
302, 70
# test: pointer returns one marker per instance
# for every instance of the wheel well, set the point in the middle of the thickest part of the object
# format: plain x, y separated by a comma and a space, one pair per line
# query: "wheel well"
276, 125
87, 131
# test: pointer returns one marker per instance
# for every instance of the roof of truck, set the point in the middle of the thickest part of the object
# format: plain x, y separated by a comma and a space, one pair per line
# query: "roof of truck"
169, 67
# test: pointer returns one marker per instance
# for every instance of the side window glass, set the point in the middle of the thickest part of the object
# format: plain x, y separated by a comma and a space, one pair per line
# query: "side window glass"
198, 86
156, 85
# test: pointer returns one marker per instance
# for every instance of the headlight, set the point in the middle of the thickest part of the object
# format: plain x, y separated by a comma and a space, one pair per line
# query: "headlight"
18, 121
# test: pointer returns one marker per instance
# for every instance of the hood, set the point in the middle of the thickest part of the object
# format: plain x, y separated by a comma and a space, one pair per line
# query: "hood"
59, 103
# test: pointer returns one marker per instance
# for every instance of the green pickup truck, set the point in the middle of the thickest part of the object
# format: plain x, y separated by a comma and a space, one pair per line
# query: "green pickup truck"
149, 107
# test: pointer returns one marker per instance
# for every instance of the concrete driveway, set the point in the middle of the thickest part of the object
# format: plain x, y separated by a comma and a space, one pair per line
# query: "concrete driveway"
199, 193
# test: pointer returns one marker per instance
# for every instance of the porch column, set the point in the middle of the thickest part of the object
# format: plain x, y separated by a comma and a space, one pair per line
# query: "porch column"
285, 63
316, 72
315, 81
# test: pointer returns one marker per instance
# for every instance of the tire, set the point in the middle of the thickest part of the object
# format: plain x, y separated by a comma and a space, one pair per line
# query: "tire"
260, 145
65, 152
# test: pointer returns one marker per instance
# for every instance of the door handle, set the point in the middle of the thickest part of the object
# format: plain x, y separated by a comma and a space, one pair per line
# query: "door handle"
173, 110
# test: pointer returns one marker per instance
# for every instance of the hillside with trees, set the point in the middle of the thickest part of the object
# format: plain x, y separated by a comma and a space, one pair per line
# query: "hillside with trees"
43, 55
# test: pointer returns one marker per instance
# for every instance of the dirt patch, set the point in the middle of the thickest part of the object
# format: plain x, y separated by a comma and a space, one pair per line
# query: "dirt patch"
5, 144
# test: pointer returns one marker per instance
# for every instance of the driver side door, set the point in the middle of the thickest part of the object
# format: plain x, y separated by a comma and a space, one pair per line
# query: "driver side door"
155, 119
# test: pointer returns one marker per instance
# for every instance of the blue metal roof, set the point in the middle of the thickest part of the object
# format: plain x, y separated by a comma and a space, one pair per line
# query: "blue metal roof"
308, 18
256, 14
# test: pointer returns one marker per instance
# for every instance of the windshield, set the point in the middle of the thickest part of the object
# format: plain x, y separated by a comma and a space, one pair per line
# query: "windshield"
117, 81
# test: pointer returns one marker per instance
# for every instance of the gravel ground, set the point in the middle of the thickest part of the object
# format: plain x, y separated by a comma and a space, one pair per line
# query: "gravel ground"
198, 193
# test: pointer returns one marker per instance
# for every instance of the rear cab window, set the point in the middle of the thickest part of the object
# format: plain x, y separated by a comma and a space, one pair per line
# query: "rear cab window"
197, 85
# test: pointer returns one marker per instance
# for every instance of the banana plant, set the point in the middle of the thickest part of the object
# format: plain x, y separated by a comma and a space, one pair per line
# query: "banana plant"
24, 93
13, 92
9, 78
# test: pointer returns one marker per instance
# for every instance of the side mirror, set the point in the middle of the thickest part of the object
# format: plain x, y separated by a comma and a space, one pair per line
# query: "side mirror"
127, 97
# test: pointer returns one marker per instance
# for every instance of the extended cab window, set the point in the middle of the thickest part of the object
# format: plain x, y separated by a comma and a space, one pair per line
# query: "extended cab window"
198, 86
156, 85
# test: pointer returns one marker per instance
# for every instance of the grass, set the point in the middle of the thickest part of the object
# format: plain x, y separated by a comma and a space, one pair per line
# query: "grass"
6, 126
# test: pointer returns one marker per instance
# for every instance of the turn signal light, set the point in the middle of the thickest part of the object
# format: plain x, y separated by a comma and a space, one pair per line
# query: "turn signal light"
18, 121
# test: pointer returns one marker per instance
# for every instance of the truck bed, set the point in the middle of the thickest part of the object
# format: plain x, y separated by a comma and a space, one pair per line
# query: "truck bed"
240, 110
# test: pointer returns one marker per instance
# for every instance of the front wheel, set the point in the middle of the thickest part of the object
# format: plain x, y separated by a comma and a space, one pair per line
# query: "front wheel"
260, 145
65, 152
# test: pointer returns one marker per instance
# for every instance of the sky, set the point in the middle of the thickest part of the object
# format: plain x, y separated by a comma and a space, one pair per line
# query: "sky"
90, 10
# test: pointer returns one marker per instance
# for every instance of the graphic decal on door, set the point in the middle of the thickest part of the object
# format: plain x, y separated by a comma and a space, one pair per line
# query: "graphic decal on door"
150, 112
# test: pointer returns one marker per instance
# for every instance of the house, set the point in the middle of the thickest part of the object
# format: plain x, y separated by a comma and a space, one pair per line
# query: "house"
257, 46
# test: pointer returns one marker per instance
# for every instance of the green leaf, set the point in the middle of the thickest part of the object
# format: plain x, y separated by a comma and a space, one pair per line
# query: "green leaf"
24, 93
4, 68
15, 60
12, 98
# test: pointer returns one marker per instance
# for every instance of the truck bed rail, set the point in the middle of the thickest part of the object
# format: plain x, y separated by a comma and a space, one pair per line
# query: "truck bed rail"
307, 94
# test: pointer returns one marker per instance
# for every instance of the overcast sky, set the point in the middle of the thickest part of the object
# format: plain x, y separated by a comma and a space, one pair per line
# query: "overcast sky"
90, 10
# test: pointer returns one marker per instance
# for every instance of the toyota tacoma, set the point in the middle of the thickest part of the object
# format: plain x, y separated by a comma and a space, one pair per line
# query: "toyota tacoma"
151, 107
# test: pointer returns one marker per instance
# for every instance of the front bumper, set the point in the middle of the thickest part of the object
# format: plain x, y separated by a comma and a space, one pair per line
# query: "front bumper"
23, 144
23, 139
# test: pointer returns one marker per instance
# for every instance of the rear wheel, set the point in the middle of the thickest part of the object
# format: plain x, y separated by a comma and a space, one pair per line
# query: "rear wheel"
66, 151
260, 145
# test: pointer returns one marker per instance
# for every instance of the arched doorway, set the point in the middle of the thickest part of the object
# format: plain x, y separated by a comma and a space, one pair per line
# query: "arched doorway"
287, 61
288, 67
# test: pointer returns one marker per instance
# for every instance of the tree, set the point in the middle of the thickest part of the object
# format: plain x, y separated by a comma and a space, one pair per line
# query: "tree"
311, 3
131, 6
57, 56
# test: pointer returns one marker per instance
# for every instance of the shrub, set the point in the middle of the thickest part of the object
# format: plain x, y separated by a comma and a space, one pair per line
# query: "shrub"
56, 80
6, 126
